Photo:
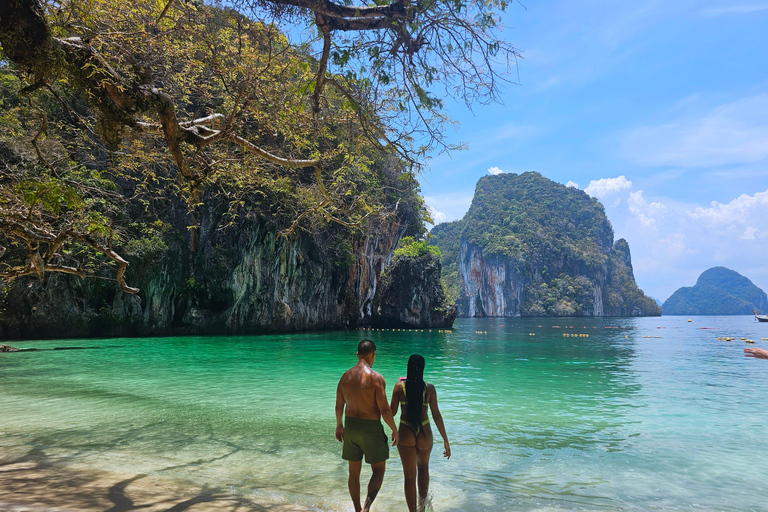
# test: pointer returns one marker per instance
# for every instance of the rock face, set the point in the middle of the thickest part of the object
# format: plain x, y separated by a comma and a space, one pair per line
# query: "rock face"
532, 247
718, 291
488, 284
411, 295
242, 279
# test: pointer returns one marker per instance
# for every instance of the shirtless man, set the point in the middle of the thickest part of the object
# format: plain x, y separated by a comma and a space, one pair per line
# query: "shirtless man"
362, 391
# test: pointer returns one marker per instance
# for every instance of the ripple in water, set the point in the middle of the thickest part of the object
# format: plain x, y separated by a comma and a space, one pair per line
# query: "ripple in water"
621, 420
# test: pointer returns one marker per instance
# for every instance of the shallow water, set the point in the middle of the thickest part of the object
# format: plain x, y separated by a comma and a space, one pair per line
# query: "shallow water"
643, 415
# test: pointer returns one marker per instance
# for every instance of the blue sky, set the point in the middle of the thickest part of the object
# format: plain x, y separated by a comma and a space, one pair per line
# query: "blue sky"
658, 108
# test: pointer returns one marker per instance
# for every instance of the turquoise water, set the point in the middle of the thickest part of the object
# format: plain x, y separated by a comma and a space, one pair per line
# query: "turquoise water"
643, 415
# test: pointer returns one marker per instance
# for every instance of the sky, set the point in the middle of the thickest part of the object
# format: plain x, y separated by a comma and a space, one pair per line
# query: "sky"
657, 108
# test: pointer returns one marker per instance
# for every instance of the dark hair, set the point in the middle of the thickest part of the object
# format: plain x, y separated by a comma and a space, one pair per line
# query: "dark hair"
414, 392
366, 347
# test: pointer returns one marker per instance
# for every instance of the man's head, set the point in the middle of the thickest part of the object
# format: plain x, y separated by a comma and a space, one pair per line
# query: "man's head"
366, 349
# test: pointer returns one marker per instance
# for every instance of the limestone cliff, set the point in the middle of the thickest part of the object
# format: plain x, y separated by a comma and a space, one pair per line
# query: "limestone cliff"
532, 247
244, 278
411, 295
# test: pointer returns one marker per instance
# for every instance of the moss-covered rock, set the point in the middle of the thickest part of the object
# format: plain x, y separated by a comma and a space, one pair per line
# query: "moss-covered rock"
411, 295
531, 247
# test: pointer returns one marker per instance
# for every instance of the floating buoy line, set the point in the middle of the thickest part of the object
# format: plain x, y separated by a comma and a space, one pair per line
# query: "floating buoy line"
565, 335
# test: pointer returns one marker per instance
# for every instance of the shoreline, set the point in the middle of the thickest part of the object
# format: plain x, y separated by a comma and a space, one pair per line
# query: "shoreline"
28, 486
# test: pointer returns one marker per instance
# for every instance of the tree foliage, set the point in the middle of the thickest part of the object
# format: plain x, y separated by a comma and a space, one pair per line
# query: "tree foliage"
325, 126
527, 215
410, 247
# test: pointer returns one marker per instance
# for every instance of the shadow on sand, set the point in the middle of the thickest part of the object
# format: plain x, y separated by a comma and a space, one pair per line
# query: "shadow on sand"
36, 482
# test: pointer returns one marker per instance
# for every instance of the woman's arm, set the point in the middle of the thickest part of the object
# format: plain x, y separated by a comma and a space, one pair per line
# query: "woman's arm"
395, 402
438, 420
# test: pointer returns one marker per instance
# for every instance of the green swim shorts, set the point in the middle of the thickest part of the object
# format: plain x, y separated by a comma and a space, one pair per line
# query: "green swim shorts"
364, 437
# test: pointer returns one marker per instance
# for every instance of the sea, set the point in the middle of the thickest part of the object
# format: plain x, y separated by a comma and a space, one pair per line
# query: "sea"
543, 414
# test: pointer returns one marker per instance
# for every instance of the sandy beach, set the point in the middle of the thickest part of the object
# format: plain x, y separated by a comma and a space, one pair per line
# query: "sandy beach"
28, 485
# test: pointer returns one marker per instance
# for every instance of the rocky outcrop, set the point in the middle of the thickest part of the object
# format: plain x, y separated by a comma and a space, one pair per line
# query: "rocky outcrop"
411, 296
532, 247
620, 293
490, 286
718, 291
242, 279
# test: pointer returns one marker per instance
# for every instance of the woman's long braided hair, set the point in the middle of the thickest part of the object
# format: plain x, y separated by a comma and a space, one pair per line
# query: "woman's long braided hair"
414, 392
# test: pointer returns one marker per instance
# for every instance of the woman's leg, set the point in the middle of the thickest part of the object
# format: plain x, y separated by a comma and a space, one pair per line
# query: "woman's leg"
423, 451
408, 458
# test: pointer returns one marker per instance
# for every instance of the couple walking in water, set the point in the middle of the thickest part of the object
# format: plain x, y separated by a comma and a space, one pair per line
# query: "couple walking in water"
362, 392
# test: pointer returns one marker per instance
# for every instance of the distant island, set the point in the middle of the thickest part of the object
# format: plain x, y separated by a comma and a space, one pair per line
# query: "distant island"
529, 246
718, 291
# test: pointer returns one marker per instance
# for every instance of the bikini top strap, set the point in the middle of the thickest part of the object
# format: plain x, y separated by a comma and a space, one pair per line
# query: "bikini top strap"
424, 393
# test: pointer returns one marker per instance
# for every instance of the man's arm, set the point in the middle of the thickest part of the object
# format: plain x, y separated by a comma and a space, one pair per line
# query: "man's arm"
384, 409
340, 403
756, 352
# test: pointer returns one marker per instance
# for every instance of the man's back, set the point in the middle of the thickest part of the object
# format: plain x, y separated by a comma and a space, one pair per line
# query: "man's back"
359, 385
361, 391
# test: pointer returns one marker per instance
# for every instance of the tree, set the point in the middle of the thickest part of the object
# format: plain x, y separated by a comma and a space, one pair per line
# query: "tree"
232, 99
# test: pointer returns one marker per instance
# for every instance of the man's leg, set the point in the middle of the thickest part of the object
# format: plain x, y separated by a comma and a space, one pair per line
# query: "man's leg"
377, 478
354, 482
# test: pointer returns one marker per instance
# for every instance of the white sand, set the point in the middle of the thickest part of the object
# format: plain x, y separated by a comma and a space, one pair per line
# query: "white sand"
30, 487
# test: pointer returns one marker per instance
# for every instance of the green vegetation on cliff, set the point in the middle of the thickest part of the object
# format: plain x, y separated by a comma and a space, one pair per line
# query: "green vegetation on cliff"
410, 292
718, 291
113, 111
225, 225
101, 170
550, 248
517, 216
410, 247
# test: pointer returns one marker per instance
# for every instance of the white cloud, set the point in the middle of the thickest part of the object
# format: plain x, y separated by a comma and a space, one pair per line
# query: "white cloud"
645, 212
448, 207
437, 216
572, 184
734, 133
735, 9
495, 170
744, 209
673, 242
674, 245
749, 233
605, 187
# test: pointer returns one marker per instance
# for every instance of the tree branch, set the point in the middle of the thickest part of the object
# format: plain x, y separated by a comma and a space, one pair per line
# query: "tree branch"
121, 263
396, 10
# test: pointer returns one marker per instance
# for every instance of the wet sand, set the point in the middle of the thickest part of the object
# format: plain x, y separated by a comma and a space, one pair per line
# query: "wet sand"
31, 486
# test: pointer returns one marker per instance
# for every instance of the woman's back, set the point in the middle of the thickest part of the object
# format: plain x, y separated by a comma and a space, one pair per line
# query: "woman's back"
415, 396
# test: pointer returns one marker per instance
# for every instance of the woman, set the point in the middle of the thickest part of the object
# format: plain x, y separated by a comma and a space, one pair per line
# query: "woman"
415, 444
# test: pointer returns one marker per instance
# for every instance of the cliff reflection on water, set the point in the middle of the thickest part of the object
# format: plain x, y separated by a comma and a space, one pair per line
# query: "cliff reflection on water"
619, 420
